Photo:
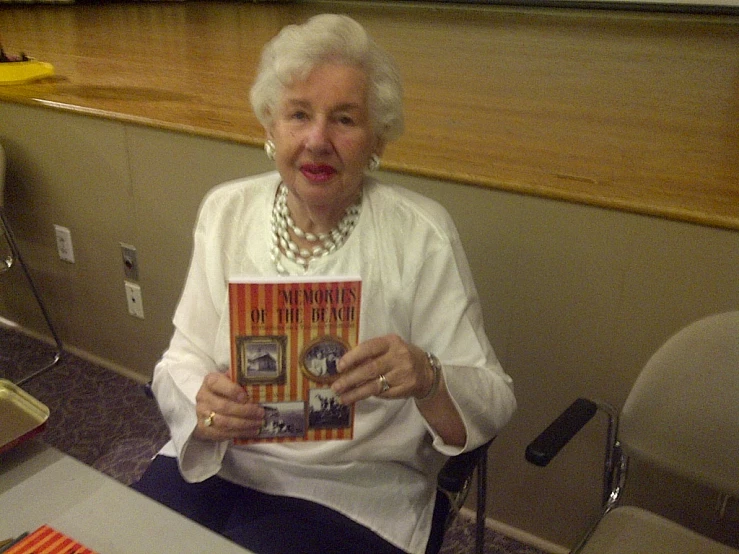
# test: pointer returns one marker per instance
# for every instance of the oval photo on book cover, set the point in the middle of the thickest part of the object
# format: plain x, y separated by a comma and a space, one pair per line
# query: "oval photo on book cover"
320, 357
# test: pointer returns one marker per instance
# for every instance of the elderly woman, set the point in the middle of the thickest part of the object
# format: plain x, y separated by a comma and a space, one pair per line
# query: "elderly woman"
424, 380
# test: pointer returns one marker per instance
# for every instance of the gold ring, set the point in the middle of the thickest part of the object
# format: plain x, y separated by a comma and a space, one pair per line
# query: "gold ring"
208, 421
384, 385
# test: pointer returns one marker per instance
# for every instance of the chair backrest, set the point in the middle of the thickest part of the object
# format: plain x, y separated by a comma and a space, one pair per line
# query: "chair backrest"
683, 411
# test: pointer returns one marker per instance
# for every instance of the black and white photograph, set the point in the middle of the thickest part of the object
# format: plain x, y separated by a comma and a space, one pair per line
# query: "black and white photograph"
261, 360
325, 411
283, 419
320, 358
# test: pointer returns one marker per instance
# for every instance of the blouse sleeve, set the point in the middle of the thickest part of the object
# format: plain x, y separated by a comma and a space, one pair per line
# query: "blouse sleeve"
447, 320
190, 357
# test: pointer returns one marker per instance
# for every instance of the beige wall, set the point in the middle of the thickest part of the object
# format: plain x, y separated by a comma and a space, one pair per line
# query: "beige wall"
575, 297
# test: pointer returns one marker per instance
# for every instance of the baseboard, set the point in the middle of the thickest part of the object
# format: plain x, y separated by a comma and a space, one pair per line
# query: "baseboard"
83, 354
518, 534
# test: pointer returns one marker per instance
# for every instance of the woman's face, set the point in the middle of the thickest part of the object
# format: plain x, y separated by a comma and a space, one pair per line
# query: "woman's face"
323, 136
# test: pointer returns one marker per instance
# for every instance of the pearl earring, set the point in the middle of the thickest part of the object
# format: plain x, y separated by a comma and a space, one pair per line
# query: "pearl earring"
270, 149
374, 162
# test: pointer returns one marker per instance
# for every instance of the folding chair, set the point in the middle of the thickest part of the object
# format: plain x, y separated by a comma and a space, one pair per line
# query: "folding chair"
681, 415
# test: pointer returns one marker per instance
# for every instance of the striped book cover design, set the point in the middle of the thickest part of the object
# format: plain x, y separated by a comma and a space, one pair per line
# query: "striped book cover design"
286, 338
47, 540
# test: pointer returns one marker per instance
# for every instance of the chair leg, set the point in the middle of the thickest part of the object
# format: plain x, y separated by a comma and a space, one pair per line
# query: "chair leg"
15, 251
482, 491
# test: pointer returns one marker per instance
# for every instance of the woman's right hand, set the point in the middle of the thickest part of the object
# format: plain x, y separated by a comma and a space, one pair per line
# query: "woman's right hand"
225, 411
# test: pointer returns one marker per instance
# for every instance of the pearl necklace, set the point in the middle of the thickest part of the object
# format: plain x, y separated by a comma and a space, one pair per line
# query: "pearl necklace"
283, 244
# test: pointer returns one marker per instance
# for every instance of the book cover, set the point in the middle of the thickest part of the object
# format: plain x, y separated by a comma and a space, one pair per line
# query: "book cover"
287, 336
47, 540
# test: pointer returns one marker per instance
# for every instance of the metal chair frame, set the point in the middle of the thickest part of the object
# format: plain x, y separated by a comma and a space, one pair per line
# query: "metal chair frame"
8, 262
615, 465
455, 482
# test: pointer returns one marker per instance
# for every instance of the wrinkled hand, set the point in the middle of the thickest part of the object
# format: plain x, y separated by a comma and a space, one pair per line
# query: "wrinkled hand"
405, 367
235, 416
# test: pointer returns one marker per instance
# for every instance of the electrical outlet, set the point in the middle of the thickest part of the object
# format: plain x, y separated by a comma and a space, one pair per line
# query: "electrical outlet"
64, 243
134, 299
130, 264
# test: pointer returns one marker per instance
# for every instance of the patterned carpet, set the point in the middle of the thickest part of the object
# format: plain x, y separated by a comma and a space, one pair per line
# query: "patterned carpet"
107, 421
97, 416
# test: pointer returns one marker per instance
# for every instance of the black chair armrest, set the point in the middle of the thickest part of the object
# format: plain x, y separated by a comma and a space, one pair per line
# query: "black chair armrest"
458, 469
548, 444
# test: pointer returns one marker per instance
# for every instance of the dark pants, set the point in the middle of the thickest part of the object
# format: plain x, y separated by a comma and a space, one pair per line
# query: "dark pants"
263, 523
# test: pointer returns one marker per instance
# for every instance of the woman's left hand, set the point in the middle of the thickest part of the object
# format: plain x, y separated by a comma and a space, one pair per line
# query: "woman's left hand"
365, 368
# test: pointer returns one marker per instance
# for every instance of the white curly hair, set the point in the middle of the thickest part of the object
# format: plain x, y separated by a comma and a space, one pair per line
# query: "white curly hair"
297, 49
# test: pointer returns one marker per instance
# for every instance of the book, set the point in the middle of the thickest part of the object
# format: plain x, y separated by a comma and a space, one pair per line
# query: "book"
287, 336
45, 540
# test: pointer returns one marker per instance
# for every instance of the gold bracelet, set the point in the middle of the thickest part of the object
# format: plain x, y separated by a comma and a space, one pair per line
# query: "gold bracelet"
436, 366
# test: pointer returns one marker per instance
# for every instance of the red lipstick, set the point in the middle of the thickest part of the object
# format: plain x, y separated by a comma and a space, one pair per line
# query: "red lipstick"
317, 173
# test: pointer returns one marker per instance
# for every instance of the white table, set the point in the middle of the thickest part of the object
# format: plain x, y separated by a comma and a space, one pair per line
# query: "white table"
40, 485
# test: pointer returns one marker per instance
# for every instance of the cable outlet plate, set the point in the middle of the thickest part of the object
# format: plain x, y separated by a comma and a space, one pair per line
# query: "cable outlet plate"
64, 243
134, 299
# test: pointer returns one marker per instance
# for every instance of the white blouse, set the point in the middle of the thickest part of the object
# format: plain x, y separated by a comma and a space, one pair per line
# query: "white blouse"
415, 282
